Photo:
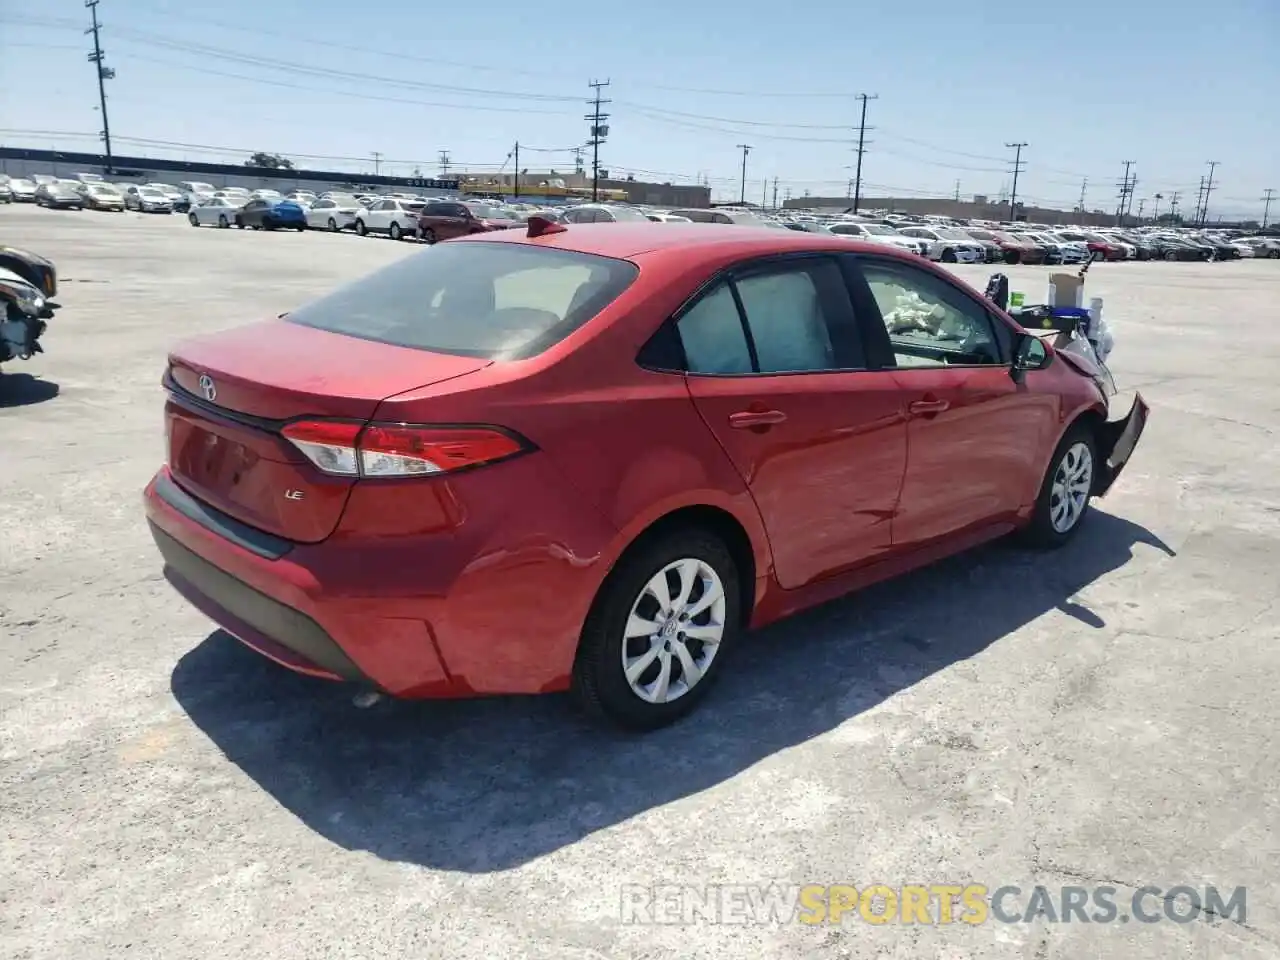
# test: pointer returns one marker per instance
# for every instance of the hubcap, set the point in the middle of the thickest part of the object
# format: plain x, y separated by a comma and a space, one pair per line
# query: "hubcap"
674, 631
1072, 482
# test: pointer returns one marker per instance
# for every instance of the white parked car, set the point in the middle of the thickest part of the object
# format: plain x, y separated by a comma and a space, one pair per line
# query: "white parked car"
948, 244
214, 212
396, 218
668, 218
1073, 251
265, 194
22, 190
603, 213
146, 199
879, 233
302, 196
334, 212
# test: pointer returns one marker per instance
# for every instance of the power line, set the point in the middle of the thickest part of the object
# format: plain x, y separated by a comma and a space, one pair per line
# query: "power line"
1018, 167
861, 148
599, 131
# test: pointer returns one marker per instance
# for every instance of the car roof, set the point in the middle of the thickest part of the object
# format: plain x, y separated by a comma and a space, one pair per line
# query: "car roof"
626, 240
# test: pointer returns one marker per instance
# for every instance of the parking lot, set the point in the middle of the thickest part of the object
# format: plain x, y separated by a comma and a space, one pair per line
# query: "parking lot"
1105, 714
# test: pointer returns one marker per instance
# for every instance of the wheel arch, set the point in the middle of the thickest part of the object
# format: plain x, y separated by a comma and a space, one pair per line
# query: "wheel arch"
749, 556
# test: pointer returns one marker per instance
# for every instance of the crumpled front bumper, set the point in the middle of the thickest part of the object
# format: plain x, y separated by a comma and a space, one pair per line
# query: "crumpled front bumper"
1117, 440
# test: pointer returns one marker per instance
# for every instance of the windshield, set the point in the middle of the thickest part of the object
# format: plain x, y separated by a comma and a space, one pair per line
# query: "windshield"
150, 192
953, 234
881, 231
22, 183
485, 211
627, 215
102, 188
491, 300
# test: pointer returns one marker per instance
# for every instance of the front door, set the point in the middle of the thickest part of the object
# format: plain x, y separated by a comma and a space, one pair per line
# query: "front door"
974, 437
777, 371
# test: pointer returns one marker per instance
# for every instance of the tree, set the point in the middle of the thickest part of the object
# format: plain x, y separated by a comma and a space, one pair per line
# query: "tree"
272, 161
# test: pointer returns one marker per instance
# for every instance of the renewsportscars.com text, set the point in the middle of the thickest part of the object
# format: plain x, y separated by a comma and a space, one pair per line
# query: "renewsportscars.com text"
932, 904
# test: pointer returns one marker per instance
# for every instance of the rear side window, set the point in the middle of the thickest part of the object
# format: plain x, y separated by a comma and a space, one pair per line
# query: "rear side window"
499, 301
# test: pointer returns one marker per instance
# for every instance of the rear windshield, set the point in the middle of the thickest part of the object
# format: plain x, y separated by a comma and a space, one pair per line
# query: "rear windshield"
499, 301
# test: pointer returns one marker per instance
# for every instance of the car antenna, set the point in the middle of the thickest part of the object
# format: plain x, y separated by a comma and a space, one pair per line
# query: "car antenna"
540, 226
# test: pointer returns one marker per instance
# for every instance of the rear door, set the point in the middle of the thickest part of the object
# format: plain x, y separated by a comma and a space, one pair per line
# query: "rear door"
776, 368
975, 438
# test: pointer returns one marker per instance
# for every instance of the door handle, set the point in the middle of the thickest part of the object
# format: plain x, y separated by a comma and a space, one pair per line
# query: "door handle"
923, 407
747, 419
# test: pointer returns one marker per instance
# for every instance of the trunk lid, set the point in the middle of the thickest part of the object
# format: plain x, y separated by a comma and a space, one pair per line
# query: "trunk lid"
230, 394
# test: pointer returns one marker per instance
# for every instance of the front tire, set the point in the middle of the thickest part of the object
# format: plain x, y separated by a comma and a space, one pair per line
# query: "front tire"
1067, 488
191, 219
361, 229
333, 225
948, 256
659, 631
395, 231
222, 221
428, 235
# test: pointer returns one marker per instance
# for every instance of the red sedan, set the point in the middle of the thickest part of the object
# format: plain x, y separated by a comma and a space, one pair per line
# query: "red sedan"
587, 458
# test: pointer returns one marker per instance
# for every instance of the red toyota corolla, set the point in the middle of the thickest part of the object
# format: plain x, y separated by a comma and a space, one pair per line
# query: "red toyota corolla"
589, 457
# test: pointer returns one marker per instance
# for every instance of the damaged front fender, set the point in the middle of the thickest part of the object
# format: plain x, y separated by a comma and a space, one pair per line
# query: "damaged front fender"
1116, 442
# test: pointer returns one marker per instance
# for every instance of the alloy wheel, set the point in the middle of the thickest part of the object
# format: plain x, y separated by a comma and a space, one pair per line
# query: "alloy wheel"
1072, 484
674, 630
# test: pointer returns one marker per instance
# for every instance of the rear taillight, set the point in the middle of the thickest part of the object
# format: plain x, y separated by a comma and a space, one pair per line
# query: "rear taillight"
398, 450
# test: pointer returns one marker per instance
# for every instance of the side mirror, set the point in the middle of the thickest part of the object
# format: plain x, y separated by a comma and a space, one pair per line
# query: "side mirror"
1029, 353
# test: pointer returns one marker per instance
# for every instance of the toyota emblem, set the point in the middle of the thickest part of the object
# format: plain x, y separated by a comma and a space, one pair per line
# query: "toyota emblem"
207, 388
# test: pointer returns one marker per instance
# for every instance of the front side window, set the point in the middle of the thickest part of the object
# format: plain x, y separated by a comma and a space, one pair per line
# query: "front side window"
492, 300
929, 322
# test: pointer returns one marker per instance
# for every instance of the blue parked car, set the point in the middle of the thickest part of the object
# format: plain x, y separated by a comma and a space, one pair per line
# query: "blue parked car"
271, 214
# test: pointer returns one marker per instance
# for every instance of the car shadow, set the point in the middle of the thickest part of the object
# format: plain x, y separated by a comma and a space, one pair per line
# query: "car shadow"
24, 390
487, 785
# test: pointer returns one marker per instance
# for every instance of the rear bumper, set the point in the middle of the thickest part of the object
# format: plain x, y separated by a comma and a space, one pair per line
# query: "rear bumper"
492, 605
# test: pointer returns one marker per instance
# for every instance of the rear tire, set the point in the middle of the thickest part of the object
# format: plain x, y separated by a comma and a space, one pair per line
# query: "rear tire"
1011, 257
662, 668
361, 229
395, 231
333, 225
191, 218
222, 221
948, 256
428, 235
1066, 491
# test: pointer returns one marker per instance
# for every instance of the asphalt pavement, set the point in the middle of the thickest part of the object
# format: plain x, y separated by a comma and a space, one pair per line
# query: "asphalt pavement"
1104, 715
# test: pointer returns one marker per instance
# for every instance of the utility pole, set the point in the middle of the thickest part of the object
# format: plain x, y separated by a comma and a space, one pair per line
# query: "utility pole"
1173, 206
377, 163
775, 196
1133, 184
577, 160
764, 193
1084, 186
515, 181
1195, 217
599, 131
1155, 214
444, 163
1123, 186
104, 74
848, 189
745, 148
862, 148
1266, 210
1141, 204
1208, 189
1018, 167
957, 191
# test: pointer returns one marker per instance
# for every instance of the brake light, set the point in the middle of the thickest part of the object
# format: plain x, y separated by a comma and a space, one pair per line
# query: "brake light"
398, 450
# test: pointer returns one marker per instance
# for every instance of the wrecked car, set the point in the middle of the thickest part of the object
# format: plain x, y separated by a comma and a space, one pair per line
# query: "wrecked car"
27, 284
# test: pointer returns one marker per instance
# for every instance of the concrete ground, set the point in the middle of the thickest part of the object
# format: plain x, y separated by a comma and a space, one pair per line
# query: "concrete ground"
1101, 715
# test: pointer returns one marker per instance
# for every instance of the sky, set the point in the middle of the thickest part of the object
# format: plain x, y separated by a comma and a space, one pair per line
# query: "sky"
1167, 84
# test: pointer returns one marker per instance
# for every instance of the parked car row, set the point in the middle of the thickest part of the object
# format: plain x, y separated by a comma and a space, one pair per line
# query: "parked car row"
404, 216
